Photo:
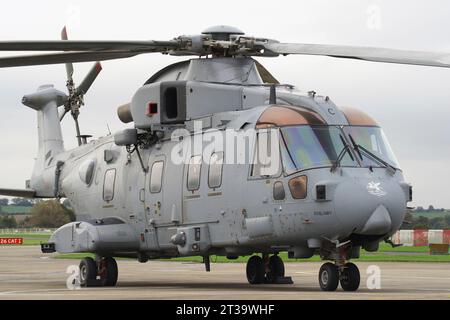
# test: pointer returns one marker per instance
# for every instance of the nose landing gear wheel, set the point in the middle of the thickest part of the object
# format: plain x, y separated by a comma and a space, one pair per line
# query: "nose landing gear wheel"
255, 270
350, 277
105, 269
329, 277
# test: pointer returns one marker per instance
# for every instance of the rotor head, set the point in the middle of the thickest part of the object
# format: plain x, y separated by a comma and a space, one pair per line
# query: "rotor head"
222, 32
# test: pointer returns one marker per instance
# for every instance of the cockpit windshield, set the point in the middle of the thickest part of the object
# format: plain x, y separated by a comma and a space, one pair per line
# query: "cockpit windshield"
374, 140
304, 147
314, 146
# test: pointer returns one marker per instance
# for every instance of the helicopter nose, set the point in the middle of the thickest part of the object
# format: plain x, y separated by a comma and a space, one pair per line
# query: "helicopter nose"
369, 208
379, 222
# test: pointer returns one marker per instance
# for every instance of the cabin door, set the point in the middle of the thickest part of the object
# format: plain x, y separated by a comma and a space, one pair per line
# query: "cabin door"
154, 189
163, 195
153, 197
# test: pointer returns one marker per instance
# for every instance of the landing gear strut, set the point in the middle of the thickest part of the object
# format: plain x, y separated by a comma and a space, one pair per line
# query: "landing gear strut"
103, 272
266, 270
331, 274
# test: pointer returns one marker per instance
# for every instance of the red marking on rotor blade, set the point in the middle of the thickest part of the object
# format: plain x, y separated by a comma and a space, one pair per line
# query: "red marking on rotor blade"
98, 67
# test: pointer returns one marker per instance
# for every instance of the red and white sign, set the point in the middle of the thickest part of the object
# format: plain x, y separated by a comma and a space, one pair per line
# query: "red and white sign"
446, 236
11, 241
420, 238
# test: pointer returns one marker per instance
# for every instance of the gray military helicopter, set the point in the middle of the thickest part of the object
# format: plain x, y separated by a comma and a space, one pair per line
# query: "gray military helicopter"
333, 185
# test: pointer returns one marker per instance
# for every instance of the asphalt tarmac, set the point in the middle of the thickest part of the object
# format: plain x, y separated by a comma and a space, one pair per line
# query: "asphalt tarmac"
26, 273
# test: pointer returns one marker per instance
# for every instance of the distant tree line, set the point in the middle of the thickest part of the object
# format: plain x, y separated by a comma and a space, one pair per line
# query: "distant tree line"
8, 222
430, 209
43, 214
22, 202
422, 222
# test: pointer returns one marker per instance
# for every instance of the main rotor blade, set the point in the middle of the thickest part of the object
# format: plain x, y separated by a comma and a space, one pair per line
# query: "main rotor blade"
56, 58
69, 66
364, 53
23, 193
89, 79
62, 114
71, 45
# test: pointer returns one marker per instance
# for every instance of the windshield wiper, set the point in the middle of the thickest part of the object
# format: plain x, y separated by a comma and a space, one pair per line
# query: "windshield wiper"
344, 150
288, 151
370, 154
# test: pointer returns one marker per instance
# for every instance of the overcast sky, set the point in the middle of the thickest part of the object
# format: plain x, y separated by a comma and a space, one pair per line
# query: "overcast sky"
411, 103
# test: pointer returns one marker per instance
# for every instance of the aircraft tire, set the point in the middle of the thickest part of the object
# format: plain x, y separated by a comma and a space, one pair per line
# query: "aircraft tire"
276, 266
329, 277
350, 277
88, 271
109, 272
255, 270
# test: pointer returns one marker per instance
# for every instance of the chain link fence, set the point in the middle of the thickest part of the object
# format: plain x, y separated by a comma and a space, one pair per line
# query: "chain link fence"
27, 231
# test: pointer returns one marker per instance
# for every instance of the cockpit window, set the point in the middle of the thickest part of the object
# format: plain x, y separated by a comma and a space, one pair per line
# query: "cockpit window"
374, 140
304, 147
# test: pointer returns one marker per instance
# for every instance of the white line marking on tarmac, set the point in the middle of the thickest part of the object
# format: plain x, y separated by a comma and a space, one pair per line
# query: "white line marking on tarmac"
426, 278
308, 273
32, 291
446, 290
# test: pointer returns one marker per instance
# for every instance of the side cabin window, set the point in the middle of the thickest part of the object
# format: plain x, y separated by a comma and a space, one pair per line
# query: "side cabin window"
156, 177
278, 191
86, 171
108, 184
194, 169
215, 170
266, 160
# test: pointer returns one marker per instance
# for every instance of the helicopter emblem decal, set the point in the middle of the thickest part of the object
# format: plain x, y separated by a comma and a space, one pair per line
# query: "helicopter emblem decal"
376, 189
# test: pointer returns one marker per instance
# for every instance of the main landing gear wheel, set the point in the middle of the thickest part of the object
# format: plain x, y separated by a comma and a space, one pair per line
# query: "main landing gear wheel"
108, 272
266, 270
350, 277
97, 274
255, 270
88, 272
276, 269
329, 277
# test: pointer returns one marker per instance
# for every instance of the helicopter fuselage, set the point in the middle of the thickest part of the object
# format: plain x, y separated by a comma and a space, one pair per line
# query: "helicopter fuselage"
239, 217
135, 200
